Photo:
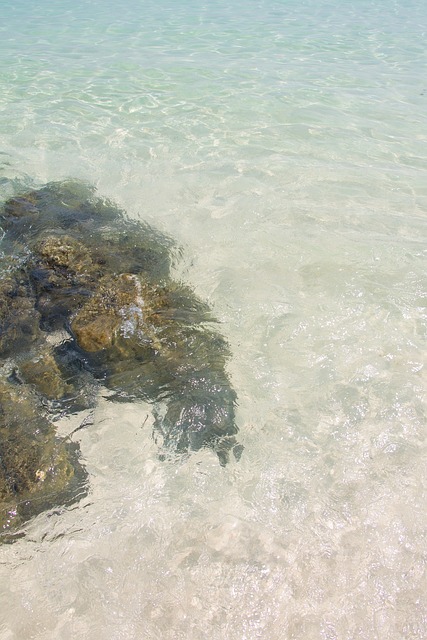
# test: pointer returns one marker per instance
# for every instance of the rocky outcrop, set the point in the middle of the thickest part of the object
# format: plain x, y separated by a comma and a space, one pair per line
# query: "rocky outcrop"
78, 267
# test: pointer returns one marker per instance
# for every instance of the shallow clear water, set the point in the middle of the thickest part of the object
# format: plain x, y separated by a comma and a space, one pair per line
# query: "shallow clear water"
283, 144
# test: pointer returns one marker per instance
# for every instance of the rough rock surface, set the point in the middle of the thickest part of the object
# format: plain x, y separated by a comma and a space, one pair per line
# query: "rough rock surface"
37, 470
80, 268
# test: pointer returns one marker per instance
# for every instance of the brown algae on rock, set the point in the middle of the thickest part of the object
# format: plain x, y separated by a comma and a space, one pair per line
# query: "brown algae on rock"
37, 470
81, 268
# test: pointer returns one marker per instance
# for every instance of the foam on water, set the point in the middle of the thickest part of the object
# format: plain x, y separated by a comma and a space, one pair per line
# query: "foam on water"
283, 144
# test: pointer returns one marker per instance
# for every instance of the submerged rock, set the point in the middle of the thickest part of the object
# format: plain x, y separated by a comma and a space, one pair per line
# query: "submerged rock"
37, 470
19, 319
103, 281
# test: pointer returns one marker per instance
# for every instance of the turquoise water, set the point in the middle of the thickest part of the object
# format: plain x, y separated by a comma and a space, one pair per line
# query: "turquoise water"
283, 144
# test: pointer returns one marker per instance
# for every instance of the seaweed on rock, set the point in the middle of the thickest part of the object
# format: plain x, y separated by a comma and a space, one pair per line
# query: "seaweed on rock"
104, 282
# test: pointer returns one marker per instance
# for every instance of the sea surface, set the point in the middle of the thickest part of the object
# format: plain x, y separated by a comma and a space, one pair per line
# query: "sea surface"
283, 144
